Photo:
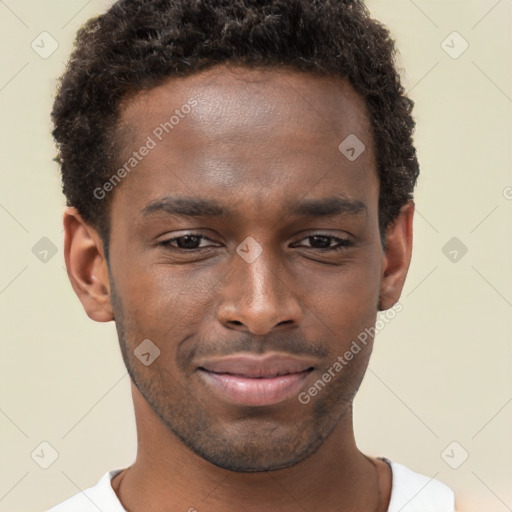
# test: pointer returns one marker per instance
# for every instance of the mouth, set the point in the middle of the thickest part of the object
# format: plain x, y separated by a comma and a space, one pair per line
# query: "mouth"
255, 381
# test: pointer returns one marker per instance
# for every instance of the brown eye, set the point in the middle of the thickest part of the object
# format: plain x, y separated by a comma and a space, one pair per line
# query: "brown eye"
324, 242
185, 242
320, 242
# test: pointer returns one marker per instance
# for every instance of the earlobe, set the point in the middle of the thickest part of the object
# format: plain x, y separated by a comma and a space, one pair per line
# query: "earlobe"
86, 266
397, 257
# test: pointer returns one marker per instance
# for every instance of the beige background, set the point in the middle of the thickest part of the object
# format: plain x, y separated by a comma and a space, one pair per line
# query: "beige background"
441, 370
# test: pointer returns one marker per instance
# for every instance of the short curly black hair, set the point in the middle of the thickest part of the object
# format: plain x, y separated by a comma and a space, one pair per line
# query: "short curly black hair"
137, 44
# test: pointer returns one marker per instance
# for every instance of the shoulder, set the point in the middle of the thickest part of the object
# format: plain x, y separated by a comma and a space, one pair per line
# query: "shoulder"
413, 492
99, 497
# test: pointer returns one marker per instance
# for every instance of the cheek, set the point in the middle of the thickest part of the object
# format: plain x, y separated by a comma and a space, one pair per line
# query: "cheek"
342, 302
353, 285
160, 301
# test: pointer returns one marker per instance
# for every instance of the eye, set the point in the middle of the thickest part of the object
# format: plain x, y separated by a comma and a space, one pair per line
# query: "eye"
323, 242
320, 241
185, 242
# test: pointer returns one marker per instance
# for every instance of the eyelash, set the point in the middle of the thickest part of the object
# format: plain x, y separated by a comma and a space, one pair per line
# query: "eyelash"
343, 243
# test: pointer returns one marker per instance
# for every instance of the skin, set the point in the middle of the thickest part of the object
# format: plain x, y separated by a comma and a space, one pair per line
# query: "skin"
258, 141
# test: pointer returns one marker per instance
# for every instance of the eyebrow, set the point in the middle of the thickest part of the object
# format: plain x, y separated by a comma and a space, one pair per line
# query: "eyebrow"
198, 207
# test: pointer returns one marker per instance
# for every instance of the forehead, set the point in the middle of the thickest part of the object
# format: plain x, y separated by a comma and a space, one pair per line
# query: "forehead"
260, 134
231, 99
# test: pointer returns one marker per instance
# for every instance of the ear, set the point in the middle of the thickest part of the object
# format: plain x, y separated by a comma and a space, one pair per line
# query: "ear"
397, 257
87, 266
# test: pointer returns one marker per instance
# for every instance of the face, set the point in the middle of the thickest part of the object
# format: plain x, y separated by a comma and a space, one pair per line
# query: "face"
245, 244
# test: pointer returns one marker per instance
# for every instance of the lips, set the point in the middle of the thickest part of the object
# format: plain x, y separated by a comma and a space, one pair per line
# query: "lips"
254, 366
255, 380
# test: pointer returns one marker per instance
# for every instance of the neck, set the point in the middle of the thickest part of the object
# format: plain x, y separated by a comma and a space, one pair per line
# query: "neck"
166, 475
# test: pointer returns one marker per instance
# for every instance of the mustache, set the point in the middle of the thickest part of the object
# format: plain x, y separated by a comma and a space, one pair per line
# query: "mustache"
295, 344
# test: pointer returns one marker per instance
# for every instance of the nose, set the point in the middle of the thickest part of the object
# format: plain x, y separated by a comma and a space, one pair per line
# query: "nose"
257, 296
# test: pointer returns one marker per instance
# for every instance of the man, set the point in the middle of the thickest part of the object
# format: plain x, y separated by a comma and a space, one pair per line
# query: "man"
239, 181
